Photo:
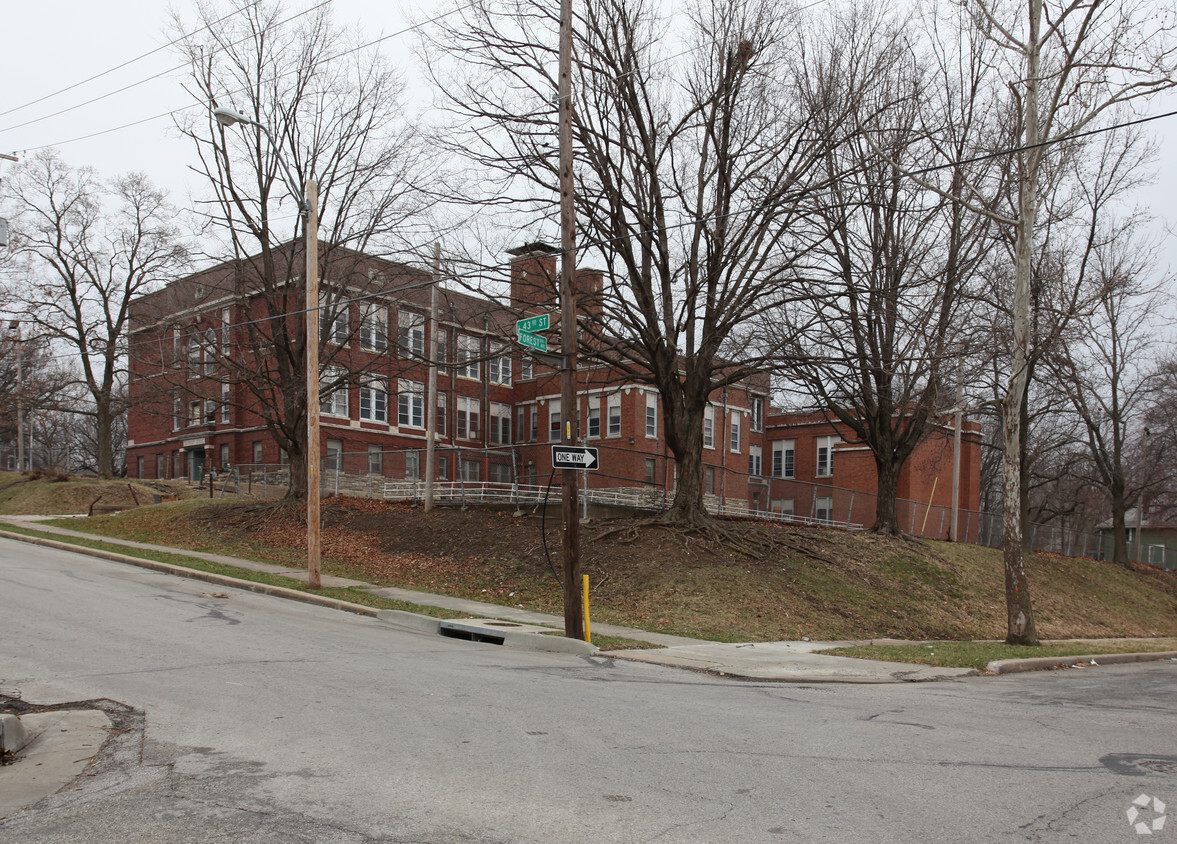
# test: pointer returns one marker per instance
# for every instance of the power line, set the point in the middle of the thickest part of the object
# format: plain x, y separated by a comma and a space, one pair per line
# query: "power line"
154, 76
127, 63
182, 109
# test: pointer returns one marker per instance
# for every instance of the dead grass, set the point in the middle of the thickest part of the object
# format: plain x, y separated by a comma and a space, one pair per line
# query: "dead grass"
824, 584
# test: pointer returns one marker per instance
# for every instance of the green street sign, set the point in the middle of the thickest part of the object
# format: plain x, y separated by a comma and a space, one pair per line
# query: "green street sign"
540, 344
533, 324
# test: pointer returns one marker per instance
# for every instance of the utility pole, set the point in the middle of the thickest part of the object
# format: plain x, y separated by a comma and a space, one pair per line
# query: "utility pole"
20, 386
431, 391
570, 416
314, 545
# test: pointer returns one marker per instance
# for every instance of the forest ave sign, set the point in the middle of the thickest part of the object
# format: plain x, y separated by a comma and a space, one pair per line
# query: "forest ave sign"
574, 457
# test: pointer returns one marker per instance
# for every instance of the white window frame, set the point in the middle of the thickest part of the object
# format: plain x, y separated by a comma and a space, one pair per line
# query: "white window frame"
410, 335
499, 366
651, 416
594, 418
374, 400
468, 352
335, 402
498, 424
825, 456
225, 414
757, 423
555, 422
526, 367
755, 461
410, 404
735, 432
823, 504
374, 328
709, 427
468, 411
784, 459
613, 415
335, 324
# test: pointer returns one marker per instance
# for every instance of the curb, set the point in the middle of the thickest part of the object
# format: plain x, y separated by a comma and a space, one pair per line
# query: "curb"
401, 618
1039, 663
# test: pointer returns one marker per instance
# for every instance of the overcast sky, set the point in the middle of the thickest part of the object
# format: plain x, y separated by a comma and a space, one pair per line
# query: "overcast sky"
50, 45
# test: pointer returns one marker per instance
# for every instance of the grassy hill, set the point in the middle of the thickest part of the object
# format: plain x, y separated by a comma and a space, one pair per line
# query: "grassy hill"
820, 583
33, 493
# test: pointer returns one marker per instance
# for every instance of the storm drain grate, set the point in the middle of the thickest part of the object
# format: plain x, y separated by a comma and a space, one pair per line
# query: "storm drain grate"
469, 633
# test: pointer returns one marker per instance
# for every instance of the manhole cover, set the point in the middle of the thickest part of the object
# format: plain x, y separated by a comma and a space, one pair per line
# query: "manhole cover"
1161, 766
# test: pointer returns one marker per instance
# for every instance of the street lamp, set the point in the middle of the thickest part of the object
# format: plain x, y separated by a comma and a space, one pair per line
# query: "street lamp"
309, 203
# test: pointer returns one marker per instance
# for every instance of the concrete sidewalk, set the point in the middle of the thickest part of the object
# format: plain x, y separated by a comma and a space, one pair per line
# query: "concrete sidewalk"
772, 661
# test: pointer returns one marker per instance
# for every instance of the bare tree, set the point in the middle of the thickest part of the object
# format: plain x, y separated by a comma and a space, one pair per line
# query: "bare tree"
876, 339
694, 162
88, 247
335, 113
1108, 368
1069, 66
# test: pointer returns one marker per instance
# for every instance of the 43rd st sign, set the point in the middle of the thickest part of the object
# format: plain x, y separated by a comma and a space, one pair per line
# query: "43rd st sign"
574, 457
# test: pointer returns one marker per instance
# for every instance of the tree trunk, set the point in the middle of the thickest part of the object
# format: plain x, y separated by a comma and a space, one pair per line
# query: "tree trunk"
684, 437
886, 515
103, 427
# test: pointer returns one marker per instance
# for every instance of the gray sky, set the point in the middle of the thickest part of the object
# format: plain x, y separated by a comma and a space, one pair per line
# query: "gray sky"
51, 45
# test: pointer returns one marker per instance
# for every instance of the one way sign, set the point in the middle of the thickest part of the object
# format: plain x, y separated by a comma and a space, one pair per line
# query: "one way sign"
574, 457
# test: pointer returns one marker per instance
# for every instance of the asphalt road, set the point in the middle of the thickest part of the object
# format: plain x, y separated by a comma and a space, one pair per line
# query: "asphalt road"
246, 718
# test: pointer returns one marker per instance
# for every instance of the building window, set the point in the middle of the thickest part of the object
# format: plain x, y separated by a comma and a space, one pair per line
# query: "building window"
520, 422
594, 418
825, 456
754, 458
139, 467
527, 366
499, 367
257, 452
177, 414
784, 506
469, 470
374, 328
443, 349
441, 423
499, 424
709, 480
613, 404
225, 456
651, 471
533, 435
824, 509
651, 416
410, 335
334, 456
735, 433
782, 459
413, 464
554, 420
159, 465
411, 404
226, 324
194, 414
468, 353
375, 460
443, 468
757, 423
225, 415
332, 321
499, 473
709, 427
374, 401
210, 352
466, 417
210, 412
333, 401
193, 357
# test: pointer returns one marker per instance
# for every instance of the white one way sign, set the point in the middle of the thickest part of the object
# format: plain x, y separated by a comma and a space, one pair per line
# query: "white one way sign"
574, 457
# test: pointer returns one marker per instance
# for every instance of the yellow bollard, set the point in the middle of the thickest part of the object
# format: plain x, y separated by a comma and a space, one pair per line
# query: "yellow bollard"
588, 628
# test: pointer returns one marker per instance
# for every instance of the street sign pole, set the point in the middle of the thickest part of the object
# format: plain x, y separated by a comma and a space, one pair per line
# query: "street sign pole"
570, 417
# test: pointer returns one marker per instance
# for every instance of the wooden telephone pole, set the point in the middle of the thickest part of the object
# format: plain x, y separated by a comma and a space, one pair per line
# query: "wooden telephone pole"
569, 410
